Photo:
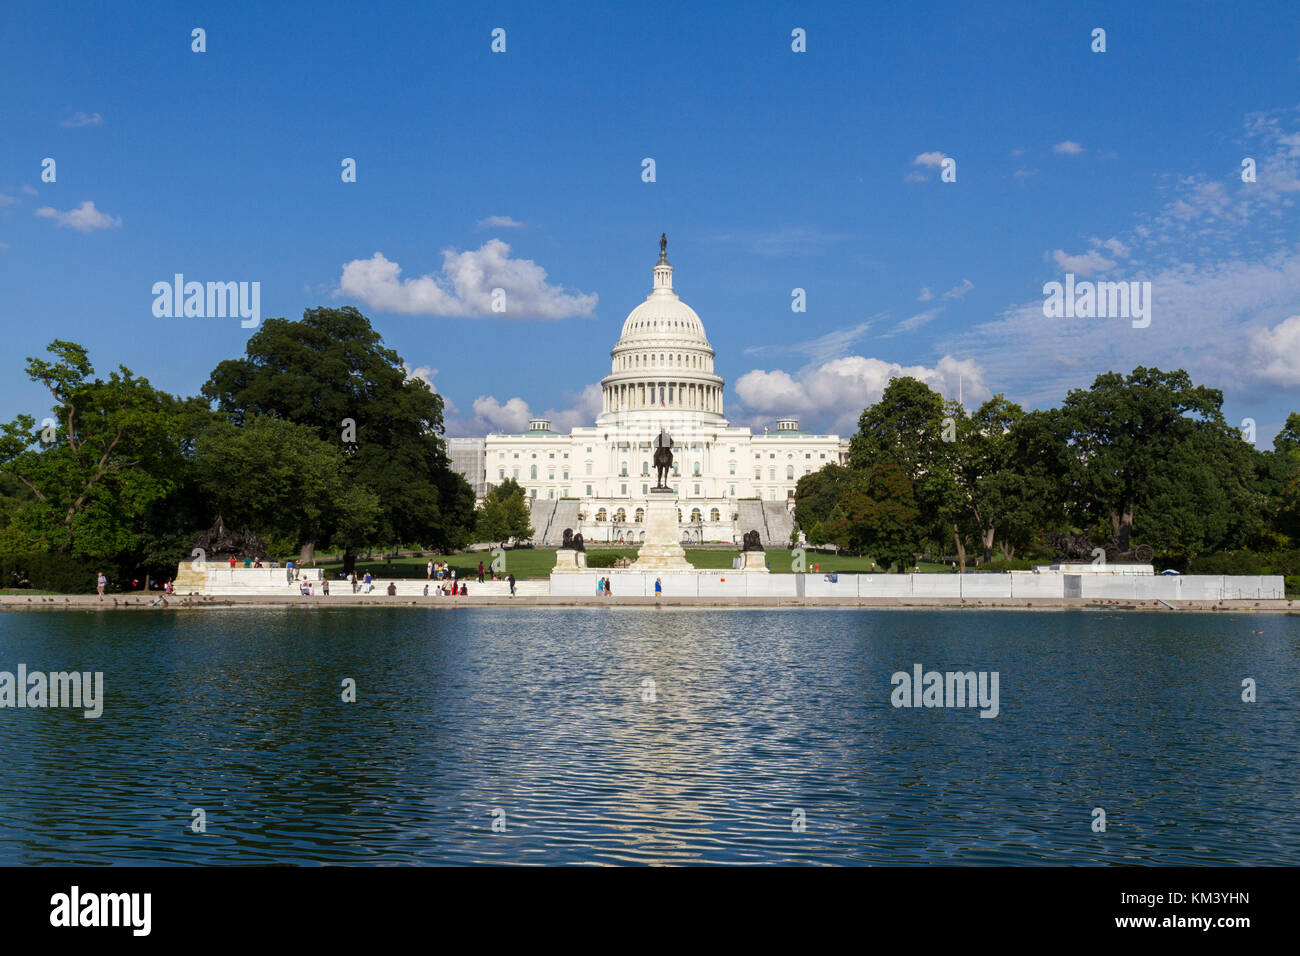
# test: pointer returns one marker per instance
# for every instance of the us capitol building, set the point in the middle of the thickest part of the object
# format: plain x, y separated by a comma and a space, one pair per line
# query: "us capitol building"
596, 479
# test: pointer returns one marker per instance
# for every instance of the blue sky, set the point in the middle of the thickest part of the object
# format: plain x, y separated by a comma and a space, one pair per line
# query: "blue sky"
775, 170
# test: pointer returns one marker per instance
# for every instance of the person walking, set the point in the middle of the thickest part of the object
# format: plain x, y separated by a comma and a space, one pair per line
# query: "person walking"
426, 589
101, 582
511, 578
428, 570
600, 587
659, 587
370, 585
480, 572
609, 587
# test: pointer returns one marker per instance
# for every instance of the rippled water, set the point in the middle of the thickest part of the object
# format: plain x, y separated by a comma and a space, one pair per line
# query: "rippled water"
539, 714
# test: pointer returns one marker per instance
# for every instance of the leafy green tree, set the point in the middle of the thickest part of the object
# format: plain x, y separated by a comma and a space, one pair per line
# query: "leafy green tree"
504, 514
877, 514
816, 496
115, 447
331, 371
1125, 430
283, 482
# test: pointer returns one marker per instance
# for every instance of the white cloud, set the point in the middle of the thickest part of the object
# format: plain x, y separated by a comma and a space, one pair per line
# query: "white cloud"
833, 394
959, 291
82, 119
85, 218
1089, 263
1068, 148
824, 347
465, 286
926, 161
29, 190
926, 295
513, 416
8, 200
499, 222
916, 321
1278, 352
426, 374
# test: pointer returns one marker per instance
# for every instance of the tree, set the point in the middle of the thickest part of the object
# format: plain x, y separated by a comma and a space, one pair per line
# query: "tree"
1122, 433
331, 371
114, 448
815, 497
877, 514
281, 481
504, 514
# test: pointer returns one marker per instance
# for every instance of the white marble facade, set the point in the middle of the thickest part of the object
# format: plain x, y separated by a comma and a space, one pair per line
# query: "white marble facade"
661, 376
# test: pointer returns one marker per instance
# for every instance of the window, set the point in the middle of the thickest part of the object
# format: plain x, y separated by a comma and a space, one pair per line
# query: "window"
566, 454
807, 454
772, 455
771, 493
697, 489
713, 515
532, 473
645, 489
566, 474
696, 516
620, 515
550, 493
731, 467
500, 455
516, 476
589, 468
639, 515
771, 474
758, 474
532, 493
733, 491
534, 454
645, 467
789, 472
823, 456
623, 469
697, 469
733, 449
501, 474
550, 474
600, 514
589, 491
622, 489
516, 454
551, 455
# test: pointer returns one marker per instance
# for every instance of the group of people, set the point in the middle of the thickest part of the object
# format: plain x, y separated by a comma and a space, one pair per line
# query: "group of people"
441, 570
604, 587
448, 589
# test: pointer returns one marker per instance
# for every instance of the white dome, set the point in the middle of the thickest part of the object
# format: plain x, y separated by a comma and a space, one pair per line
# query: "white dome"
663, 316
662, 360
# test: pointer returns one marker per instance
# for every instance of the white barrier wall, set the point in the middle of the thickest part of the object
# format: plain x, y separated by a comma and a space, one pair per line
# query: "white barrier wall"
1043, 585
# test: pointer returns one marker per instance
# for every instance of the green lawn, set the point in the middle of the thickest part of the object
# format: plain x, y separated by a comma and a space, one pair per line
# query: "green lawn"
538, 562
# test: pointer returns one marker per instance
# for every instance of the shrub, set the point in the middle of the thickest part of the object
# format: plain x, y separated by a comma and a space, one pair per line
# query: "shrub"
55, 572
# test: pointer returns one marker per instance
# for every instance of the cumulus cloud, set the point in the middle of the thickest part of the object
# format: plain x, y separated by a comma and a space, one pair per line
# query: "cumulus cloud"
832, 395
1278, 352
499, 222
426, 374
925, 162
513, 415
464, 287
1068, 148
83, 119
85, 218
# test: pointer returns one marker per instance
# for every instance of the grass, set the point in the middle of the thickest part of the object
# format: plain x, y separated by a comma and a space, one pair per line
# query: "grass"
539, 562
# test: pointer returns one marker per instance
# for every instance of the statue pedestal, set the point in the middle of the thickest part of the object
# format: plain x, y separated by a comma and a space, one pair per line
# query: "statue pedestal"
754, 562
568, 560
662, 550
